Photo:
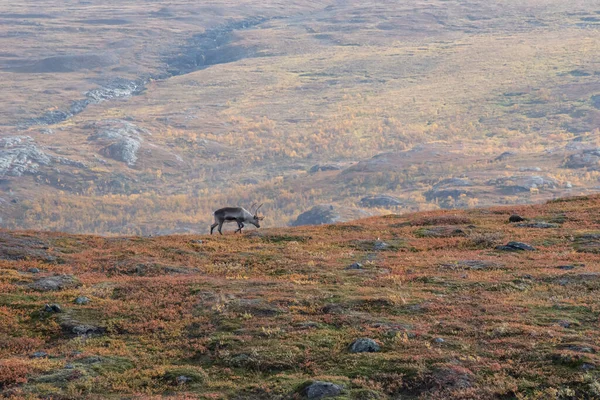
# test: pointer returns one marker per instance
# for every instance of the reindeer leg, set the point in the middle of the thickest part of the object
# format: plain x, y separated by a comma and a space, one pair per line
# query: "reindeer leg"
213, 226
220, 226
240, 226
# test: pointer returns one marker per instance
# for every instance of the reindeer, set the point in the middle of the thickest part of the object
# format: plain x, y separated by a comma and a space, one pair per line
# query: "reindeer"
237, 214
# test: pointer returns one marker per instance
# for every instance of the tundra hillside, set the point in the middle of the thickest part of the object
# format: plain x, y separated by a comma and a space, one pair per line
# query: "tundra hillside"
144, 117
432, 305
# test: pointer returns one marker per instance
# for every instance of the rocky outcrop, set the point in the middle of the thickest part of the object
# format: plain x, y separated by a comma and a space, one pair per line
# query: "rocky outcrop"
121, 140
449, 188
323, 167
520, 184
21, 155
329, 214
585, 159
381, 200
118, 88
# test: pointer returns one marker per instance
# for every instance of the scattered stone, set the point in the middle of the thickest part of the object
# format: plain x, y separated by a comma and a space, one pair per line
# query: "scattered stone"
539, 225
440, 232
381, 200
46, 131
52, 308
82, 300
439, 340
578, 348
588, 243
39, 354
566, 267
569, 279
380, 245
69, 366
256, 307
364, 345
516, 218
325, 167
455, 377
182, 380
355, 265
473, 265
57, 282
505, 155
565, 324
308, 325
319, 390
82, 330
33, 270
516, 246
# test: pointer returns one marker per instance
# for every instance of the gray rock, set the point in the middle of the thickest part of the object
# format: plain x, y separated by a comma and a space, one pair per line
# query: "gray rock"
515, 218
325, 167
33, 270
589, 158
539, 225
82, 300
355, 265
521, 184
20, 155
439, 340
515, 246
46, 131
39, 354
320, 389
566, 267
380, 245
57, 282
381, 200
124, 150
53, 308
329, 214
506, 155
182, 380
122, 139
82, 330
364, 345
530, 169
474, 265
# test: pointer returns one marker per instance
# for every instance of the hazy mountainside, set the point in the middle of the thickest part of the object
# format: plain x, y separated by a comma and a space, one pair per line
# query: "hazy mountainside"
144, 117
434, 305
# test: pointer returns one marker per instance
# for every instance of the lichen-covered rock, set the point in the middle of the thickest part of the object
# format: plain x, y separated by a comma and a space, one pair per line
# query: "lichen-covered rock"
516, 246
56, 282
381, 200
589, 158
364, 345
315, 390
20, 155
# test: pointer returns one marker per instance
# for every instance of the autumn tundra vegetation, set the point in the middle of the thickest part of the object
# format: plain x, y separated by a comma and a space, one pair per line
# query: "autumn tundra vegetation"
454, 304
142, 118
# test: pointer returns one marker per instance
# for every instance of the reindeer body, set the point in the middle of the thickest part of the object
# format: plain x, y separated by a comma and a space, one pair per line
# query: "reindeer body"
235, 214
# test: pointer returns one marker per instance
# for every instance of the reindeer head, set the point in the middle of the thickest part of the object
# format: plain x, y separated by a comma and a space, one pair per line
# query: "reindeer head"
256, 219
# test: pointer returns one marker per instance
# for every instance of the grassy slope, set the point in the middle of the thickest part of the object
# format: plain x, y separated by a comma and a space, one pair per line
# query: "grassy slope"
255, 315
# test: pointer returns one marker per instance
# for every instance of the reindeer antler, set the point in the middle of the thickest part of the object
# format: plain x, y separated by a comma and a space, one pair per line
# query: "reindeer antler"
253, 204
256, 211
